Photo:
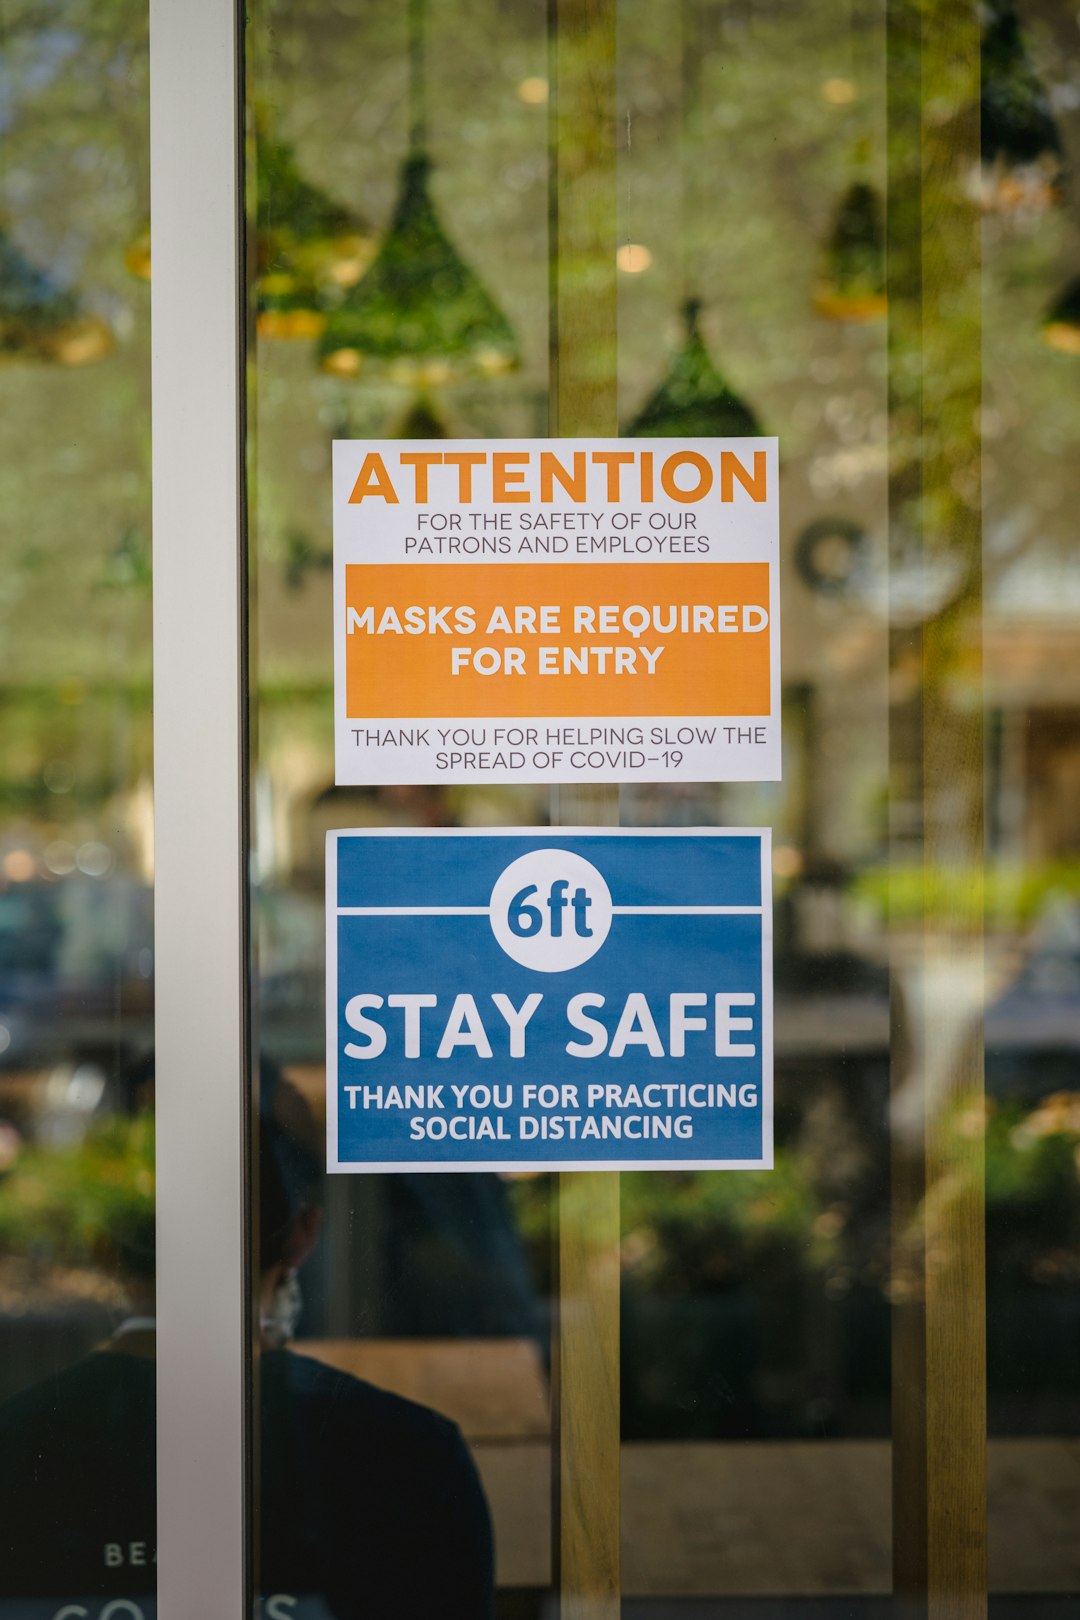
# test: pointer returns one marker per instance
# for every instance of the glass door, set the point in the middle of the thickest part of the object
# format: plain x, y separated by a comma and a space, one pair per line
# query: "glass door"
844, 1386
717, 1393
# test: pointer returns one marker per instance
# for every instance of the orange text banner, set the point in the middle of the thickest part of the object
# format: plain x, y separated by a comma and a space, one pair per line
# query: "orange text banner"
568, 641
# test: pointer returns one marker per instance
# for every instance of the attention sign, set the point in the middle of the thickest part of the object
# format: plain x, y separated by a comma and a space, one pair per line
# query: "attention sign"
564, 999
598, 610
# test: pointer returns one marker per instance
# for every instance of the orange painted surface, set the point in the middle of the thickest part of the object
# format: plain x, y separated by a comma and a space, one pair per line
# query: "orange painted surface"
401, 676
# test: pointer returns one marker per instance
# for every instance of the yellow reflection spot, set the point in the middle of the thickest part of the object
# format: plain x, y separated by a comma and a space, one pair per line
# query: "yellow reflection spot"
82, 342
533, 92
1062, 335
633, 257
19, 865
786, 861
289, 323
343, 362
492, 362
841, 306
838, 92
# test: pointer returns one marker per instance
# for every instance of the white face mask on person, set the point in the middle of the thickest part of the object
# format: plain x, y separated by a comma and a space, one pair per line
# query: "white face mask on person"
279, 1319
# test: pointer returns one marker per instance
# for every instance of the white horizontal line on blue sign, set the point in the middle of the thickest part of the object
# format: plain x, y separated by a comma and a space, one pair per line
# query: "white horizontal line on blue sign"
485, 911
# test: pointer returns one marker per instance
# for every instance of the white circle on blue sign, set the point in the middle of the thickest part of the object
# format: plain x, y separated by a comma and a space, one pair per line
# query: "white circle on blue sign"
550, 910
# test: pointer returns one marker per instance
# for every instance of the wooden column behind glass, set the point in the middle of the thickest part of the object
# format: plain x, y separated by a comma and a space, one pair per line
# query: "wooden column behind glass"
583, 404
936, 795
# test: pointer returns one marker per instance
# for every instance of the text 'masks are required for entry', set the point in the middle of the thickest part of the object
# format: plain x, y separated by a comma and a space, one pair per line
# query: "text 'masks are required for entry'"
556, 610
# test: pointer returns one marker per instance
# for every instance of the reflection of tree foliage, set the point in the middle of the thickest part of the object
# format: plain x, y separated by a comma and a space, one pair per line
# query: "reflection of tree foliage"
1032, 1187
76, 470
1003, 894
694, 1233
1032, 1180
89, 1204
688, 1233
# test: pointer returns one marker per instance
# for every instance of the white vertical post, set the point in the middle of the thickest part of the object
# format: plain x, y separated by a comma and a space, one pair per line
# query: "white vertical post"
199, 831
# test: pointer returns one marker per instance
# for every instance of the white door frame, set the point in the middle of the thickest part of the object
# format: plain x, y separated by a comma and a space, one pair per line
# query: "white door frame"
200, 823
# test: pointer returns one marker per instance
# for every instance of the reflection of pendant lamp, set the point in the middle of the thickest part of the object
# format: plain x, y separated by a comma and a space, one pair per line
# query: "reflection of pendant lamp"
420, 421
1020, 145
41, 321
693, 401
1061, 323
305, 243
851, 286
420, 310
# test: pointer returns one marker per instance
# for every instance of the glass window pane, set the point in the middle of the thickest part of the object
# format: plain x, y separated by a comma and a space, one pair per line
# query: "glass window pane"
76, 815
853, 229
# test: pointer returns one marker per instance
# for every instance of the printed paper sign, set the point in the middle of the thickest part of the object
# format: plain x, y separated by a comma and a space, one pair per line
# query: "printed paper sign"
558, 999
556, 610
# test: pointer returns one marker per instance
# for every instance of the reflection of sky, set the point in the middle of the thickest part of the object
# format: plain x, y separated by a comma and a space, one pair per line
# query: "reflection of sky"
1036, 584
33, 61
30, 64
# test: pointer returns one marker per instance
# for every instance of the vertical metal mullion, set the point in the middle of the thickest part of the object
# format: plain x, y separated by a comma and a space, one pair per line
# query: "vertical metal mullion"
936, 759
586, 1476
200, 886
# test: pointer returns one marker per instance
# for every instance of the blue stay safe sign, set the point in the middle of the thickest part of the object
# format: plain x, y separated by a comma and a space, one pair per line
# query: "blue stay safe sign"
549, 998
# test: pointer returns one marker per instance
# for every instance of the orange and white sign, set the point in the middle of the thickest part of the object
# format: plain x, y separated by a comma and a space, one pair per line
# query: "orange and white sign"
556, 610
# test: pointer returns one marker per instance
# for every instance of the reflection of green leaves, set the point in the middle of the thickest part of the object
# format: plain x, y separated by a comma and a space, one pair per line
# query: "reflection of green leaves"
685, 1232
1032, 1177
1002, 893
92, 1203
128, 563
691, 1232
302, 557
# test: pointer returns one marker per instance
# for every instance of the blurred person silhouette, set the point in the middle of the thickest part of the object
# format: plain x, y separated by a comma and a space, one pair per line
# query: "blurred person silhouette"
368, 1504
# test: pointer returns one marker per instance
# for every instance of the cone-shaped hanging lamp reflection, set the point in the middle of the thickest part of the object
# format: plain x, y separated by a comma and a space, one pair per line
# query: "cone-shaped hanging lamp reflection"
41, 321
693, 401
421, 421
1020, 146
851, 286
421, 310
1061, 323
420, 313
306, 243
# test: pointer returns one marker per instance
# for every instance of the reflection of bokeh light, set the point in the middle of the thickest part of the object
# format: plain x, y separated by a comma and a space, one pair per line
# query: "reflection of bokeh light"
59, 776
343, 362
19, 865
9, 1145
60, 857
786, 861
838, 92
93, 859
533, 92
633, 257
86, 1087
5, 1037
